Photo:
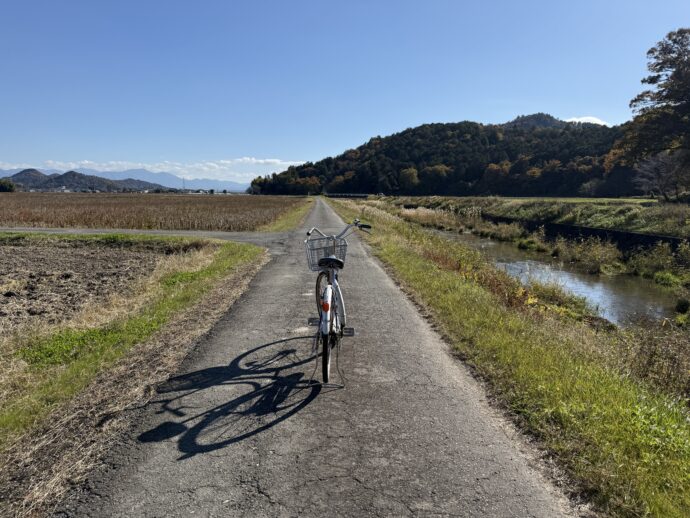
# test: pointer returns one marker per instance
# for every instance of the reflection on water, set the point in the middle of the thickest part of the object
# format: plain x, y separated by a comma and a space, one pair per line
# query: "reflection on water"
618, 298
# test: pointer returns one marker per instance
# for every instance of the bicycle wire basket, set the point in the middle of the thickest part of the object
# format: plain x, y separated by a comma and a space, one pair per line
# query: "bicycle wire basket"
321, 247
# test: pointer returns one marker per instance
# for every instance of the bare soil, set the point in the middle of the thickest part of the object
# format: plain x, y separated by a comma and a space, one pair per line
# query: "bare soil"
47, 283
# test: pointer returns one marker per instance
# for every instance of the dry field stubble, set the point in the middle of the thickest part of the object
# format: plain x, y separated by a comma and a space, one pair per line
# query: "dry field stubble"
232, 213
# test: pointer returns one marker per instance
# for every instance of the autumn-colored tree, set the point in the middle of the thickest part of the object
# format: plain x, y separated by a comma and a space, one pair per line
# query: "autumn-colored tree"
663, 111
408, 179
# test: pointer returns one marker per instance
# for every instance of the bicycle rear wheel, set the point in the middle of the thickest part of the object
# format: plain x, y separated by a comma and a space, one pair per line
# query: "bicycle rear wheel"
321, 281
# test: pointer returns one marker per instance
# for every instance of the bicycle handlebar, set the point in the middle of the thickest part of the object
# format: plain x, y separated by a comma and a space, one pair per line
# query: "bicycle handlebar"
355, 223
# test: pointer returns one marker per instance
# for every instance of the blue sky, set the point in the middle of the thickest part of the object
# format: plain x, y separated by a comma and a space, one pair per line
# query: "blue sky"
229, 89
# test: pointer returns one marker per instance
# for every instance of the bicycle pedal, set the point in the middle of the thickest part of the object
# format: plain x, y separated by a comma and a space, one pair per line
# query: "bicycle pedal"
313, 321
348, 331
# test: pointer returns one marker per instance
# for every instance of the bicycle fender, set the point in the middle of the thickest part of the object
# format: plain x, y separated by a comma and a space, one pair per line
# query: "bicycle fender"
326, 298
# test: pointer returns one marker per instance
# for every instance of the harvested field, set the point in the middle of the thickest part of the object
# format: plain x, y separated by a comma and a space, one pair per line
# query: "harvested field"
47, 284
232, 213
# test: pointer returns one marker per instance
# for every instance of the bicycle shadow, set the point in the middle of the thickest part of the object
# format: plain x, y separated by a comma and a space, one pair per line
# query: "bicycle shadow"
269, 391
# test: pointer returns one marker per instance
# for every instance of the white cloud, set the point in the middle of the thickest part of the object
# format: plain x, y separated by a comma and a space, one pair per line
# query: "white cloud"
588, 118
8, 165
241, 169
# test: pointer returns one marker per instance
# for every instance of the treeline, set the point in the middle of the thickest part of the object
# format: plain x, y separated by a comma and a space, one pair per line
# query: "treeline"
534, 155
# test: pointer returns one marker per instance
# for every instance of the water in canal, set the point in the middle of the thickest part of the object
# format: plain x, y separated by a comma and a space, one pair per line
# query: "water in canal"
620, 299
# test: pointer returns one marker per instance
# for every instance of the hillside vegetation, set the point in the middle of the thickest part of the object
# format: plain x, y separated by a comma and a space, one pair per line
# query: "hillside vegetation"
535, 155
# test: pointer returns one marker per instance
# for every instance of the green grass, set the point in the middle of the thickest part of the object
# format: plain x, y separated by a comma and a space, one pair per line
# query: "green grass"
291, 219
633, 215
625, 444
73, 357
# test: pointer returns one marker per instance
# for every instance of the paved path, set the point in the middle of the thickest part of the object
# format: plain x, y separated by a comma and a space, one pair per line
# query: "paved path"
241, 432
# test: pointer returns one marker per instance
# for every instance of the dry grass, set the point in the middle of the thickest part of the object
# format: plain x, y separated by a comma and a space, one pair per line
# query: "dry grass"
144, 211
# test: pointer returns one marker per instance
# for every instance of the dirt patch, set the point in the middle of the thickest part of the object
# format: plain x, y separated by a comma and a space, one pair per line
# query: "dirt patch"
48, 283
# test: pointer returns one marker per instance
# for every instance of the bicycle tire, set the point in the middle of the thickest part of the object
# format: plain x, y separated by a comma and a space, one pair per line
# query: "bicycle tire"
323, 276
326, 357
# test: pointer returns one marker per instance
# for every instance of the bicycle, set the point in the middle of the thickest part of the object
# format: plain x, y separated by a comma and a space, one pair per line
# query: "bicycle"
326, 255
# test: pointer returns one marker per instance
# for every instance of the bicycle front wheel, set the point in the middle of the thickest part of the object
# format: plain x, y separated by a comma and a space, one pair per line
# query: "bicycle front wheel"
326, 357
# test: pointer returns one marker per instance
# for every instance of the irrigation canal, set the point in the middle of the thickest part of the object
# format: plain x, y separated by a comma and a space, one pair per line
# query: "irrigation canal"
621, 299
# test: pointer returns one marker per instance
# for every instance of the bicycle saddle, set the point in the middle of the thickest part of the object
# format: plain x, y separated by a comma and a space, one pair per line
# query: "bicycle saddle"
331, 262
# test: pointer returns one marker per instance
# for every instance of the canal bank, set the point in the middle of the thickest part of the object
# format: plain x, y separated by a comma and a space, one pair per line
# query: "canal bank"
621, 299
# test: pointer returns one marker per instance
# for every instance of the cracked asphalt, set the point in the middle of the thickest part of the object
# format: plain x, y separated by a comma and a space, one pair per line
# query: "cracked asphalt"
241, 431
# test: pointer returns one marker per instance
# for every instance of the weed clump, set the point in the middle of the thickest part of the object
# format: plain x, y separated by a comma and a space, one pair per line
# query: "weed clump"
650, 261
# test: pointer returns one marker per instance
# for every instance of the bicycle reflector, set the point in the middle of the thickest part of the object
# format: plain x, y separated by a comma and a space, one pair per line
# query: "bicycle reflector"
325, 306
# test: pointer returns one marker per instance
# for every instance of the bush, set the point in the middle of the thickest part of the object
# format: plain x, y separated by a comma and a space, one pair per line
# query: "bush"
6, 185
682, 306
656, 259
683, 254
594, 254
666, 279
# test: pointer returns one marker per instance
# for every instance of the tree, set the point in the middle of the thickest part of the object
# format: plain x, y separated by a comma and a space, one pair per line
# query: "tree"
408, 180
663, 173
663, 111
6, 185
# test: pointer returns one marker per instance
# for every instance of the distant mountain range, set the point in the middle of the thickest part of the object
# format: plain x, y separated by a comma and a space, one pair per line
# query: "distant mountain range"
132, 176
33, 179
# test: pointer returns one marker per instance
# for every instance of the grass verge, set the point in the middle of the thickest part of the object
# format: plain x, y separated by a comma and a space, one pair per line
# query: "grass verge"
61, 363
634, 215
626, 445
291, 219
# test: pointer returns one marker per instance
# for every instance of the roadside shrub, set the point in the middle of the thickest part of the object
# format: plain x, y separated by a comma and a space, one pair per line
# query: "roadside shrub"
594, 254
656, 259
666, 279
682, 306
561, 249
535, 241
499, 231
553, 293
683, 254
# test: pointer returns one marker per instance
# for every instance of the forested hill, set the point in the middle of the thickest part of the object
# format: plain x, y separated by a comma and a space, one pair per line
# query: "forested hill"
533, 155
